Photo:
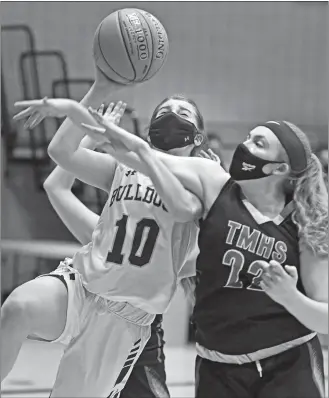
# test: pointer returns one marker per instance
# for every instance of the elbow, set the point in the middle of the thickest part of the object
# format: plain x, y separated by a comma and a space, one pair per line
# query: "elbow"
52, 190
48, 186
58, 154
53, 151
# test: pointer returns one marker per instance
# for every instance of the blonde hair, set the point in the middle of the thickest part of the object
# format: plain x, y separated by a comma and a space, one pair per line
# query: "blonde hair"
188, 285
310, 196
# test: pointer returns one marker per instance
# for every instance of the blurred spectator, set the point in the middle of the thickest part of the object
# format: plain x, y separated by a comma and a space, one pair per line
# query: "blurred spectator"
216, 146
322, 154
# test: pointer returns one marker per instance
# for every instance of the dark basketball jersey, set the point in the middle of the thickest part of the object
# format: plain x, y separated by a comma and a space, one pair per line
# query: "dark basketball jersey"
232, 313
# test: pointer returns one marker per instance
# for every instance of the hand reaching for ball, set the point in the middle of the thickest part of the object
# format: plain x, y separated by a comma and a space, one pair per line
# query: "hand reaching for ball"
112, 114
110, 134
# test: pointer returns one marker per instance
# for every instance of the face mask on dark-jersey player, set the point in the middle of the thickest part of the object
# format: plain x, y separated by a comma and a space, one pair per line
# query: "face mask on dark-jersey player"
170, 131
246, 166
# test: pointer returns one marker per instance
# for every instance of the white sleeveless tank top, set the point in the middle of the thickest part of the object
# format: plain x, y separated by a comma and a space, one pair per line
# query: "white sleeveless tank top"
138, 252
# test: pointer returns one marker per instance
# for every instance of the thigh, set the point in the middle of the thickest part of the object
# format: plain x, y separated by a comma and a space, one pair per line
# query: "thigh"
99, 361
146, 381
300, 376
44, 300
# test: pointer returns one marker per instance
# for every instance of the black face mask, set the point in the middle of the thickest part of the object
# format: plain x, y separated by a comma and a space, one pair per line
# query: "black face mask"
246, 166
170, 131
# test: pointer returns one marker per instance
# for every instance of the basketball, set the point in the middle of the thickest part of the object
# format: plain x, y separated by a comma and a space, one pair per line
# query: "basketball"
130, 46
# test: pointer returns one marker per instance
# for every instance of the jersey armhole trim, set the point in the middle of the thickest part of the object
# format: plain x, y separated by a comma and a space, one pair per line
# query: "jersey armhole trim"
225, 186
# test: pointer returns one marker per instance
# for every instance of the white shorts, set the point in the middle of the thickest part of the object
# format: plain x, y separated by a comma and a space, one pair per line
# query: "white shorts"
103, 341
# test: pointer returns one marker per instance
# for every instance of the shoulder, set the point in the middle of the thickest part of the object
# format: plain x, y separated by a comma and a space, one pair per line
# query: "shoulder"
213, 178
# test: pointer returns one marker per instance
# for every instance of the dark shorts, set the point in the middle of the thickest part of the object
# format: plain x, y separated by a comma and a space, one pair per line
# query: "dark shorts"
295, 373
146, 381
148, 378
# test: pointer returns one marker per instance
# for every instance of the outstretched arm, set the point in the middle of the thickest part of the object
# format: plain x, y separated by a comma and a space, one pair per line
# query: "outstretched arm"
80, 220
94, 168
181, 203
195, 174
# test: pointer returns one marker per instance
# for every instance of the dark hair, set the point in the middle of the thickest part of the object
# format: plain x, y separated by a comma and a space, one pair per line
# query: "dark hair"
199, 119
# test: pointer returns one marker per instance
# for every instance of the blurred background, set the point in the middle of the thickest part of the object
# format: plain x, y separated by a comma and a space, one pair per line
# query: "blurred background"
241, 62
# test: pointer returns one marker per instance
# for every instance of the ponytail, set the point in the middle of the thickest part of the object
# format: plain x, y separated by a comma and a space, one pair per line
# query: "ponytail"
311, 208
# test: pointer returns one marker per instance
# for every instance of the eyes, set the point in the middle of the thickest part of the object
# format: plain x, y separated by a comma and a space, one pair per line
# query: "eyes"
258, 141
182, 113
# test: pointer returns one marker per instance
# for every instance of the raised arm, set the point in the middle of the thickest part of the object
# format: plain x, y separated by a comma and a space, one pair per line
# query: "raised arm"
203, 177
91, 167
79, 220
182, 204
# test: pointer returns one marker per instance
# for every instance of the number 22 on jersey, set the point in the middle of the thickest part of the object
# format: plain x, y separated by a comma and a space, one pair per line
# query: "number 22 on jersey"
235, 259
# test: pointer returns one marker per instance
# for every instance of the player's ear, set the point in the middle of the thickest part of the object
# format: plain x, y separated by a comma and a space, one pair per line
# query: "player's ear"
277, 169
198, 139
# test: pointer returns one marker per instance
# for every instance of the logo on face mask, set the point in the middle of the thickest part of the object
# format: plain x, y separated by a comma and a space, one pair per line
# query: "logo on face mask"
170, 131
247, 166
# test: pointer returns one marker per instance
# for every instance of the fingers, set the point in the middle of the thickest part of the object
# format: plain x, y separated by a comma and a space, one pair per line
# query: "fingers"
33, 106
99, 118
23, 114
33, 120
204, 154
100, 110
264, 265
213, 156
24, 104
109, 109
209, 154
120, 113
275, 268
117, 107
264, 286
292, 271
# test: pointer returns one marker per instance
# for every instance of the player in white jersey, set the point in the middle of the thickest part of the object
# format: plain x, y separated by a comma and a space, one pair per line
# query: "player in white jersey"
101, 328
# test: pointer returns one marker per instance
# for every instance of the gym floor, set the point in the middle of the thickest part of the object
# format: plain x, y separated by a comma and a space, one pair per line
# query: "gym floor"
35, 371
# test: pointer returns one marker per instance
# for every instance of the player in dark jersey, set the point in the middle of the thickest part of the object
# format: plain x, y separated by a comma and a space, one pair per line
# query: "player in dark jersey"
262, 288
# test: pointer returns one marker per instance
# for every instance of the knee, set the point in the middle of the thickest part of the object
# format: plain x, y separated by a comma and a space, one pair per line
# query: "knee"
17, 308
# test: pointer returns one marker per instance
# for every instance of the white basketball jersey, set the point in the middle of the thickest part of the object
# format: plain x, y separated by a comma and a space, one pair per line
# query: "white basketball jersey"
138, 253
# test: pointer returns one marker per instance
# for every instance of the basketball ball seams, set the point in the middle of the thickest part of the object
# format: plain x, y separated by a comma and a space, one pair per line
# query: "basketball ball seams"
105, 59
133, 42
125, 44
151, 37
157, 24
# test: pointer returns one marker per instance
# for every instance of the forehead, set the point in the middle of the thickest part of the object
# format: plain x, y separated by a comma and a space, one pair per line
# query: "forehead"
264, 132
176, 104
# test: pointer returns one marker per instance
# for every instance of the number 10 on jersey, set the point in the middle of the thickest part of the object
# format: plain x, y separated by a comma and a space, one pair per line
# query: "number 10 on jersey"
116, 256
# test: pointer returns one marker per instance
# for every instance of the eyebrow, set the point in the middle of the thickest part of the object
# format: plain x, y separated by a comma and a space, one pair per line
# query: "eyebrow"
181, 108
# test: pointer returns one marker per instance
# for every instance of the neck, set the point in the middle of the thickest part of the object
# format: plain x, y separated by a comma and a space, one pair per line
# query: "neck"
265, 194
